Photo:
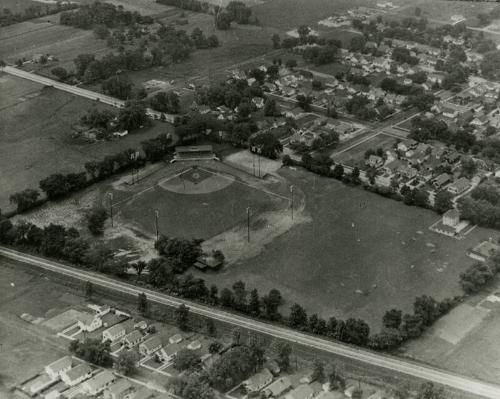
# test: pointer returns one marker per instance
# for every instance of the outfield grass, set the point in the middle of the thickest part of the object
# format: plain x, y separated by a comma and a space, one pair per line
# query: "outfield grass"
36, 135
357, 240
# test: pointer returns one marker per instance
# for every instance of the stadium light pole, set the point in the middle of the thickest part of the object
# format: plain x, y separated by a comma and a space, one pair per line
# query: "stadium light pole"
248, 224
291, 202
110, 199
157, 215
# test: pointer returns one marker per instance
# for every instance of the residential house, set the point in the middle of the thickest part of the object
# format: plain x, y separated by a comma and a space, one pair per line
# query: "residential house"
459, 186
150, 346
76, 374
441, 180
480, 120
374, 161
88, 322
258, 381
175, 339
169, 352
330, 395
118, 331
301, 392
144, 393
308, 377
57, 368
450, 112
132, 339
408, 172
119, 390
278, 387
194, 345
484, 250
98, 383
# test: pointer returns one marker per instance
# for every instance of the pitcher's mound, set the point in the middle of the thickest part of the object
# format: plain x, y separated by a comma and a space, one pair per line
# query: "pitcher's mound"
196, 180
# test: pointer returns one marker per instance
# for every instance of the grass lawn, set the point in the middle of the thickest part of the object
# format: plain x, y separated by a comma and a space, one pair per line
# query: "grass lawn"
36, 135
356, 241
356, 156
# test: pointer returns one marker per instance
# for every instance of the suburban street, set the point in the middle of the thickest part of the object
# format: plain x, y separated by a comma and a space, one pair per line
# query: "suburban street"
455, 381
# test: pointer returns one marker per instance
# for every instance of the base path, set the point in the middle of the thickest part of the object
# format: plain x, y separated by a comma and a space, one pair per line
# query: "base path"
410, 368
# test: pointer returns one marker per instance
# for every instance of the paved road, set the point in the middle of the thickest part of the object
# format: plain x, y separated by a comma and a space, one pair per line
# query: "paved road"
414, 369
78, 91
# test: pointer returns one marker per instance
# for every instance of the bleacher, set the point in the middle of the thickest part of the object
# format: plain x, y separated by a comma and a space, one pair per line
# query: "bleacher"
194, 153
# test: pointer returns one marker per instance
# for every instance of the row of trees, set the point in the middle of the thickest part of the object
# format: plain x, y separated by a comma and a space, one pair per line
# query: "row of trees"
8, 17
480, 274
107, 14
482, 207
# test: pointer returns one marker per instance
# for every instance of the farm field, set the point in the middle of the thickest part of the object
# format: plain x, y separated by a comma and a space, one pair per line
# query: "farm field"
36, 129
356, 156
356, 240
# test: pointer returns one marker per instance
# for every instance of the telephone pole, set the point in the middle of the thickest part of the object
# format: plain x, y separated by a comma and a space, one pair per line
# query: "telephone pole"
110, 199
248, 224
291, 200
157, 215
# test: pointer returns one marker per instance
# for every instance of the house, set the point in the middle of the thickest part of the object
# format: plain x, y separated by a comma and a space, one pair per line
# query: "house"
451, 218
273, 367
175, 339
330, 395
194, 345
118, 331
57, 368
258, 381
374, 161
150, 346
98, 383
278, 387
408, 172
301, 392
119, 390
441, 180
77, 374
143, 393
308, 378
169, 352
88, 322
459, 186
133, 338
483, 251
450, 112
479, 120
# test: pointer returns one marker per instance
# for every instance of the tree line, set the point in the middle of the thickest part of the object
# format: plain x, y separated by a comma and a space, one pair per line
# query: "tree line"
8, 17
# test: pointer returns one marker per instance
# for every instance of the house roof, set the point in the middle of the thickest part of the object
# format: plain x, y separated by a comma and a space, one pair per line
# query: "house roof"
452, 213
461, 184
258, 380
126, 326
85, 318
152, 343
279, 386
143, 393
133, 336
442, 178
301, 392
101, 379
78, 372
119, 387
60, 364
174, 339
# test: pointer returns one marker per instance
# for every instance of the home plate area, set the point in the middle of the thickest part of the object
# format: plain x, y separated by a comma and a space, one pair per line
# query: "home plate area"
197, 180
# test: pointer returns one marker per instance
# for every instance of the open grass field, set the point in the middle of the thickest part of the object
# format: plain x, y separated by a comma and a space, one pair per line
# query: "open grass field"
36, 135
194, 203
355, 240
19, 5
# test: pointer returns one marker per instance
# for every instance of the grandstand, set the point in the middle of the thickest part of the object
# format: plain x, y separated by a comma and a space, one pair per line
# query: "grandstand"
194, 153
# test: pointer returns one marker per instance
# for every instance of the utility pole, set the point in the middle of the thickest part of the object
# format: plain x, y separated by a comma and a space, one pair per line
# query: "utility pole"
248, 223
253, 158
157, 215
291, 201
110, 198
259, 162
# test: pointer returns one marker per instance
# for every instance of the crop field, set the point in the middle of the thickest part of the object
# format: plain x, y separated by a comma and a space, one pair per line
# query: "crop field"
359, 255
41, 37
355, 156
36, 135
198, 202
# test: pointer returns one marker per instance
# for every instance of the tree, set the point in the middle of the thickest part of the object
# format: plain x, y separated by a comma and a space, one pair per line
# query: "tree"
270, 108
412, 326
139, 267
60, 73
298, 317
96, 219
475, 277
101, 32
276, 41
126, 362
118, 86
142, 303
355, 175
443, 201
265, 144
132, 116
357, 43
335, 378
356, 332
257, 350
182, 317
254, 303
318, 373
235, 336
429, 391
89, 289
281, 351
165, 102
392, 318
223, 20
184, 253
291, 63
25, 199
210, 328
338, 171
186, 359
303, 31
214, 347
304, 102
92, 350
82, 61
271, 303
227, 297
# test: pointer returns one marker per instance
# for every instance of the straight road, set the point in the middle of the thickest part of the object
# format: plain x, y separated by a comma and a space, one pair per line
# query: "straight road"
455, 381
78, 91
